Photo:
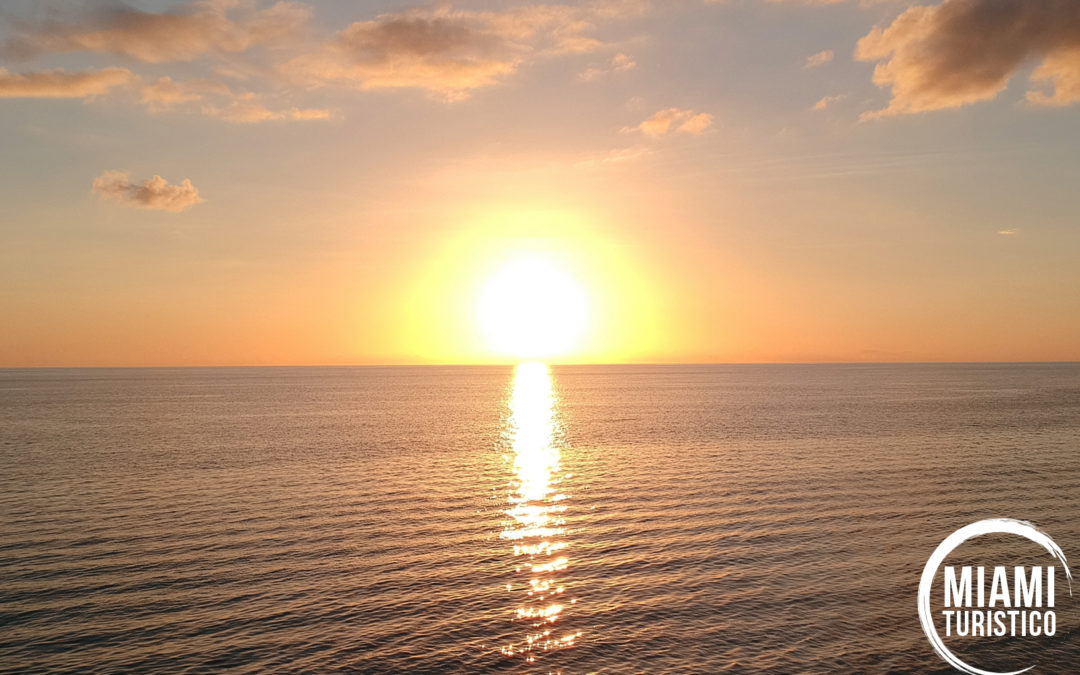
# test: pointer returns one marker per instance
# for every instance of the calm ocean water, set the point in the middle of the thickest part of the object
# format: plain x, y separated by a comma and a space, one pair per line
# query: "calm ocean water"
686, 519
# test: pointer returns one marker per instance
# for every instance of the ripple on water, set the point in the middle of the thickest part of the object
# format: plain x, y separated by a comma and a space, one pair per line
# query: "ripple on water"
607, 519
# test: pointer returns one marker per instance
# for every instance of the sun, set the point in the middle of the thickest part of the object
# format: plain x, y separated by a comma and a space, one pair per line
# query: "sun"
532, 307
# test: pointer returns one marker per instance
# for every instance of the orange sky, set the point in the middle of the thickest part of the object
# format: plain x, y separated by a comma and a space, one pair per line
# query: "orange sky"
328, 183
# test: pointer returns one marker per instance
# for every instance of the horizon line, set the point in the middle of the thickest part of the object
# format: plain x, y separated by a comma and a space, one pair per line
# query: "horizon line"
553, 364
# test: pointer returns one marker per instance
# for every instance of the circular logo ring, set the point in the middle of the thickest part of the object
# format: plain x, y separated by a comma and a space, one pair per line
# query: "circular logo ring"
990, 526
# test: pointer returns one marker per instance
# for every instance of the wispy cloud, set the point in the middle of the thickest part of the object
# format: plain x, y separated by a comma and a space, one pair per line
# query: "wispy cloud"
167, 93
613, 157
62, 83
246, 109
819, 59
674, 120
215, 99
618, 63
965, 51
826, 101
154, 193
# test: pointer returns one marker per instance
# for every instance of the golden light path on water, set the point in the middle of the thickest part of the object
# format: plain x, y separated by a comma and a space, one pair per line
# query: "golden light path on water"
535, 524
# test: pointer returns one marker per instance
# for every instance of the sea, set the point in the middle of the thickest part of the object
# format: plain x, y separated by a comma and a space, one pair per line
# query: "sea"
521, 519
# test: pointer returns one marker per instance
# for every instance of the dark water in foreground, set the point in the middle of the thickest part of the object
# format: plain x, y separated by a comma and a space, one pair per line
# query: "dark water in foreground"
606, 519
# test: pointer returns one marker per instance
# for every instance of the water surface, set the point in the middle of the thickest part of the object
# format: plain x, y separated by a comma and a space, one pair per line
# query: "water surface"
586, 519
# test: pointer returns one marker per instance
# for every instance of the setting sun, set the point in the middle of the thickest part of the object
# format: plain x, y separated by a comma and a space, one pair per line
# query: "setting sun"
532, 307
525, 282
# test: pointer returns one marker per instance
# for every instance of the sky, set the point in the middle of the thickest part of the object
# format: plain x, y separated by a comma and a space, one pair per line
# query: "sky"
224, 182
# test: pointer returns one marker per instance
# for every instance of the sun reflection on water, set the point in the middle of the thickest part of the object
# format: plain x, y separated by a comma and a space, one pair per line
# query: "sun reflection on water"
536, 524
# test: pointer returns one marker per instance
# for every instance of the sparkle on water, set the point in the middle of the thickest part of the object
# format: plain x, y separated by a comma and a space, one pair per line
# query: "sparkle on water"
535, 514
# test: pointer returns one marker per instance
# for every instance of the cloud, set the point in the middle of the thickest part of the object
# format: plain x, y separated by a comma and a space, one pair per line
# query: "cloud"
861, 3
618, 63
965, 51
674, 119
451, 52
439, 49
697, 123
167, 93
215, 99
181, 34
864, 3
819, 59
61, 83
155, 193
1061, 70
613, 157
826, 101
1008, 233
246, 109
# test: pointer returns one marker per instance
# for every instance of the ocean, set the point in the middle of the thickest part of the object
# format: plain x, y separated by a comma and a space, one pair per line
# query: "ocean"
608, 519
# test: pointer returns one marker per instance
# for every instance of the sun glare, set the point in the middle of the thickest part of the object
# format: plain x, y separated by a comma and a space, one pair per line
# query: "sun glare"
528, 284
532, 307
